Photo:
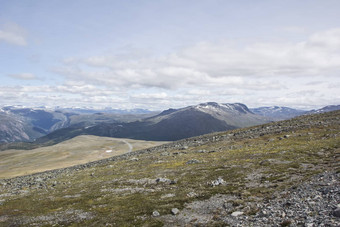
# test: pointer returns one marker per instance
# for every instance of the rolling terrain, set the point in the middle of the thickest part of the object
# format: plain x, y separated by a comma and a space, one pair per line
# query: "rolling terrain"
79, 150
279, 174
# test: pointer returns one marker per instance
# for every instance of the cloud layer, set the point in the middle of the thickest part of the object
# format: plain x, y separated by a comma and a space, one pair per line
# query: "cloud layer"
222, 63
301, 74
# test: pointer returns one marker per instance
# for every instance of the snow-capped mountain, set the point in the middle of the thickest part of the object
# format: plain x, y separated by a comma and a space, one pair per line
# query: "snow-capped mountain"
325, 109
278, 112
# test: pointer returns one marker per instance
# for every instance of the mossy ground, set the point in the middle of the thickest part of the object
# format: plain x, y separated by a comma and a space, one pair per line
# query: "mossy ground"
125, 192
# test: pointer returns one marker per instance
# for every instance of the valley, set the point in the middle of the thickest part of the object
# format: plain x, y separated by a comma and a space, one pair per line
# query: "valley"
79, 150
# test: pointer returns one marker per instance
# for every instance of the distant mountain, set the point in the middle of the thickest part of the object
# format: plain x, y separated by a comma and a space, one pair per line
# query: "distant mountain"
173, 124
277, 112
55, 125
108, 110
325, 109
27, 124
14, 129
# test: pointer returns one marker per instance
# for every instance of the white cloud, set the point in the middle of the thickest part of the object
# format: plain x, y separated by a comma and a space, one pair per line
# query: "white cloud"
301, 74
213, 64
23, 76
13, 34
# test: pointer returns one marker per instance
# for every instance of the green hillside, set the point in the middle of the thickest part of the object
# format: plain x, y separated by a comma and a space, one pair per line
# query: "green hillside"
243, 177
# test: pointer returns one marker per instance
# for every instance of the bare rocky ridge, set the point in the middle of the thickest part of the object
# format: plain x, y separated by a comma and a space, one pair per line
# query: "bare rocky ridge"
279, 174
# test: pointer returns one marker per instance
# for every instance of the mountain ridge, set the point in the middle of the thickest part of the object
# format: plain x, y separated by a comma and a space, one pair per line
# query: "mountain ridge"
181, 123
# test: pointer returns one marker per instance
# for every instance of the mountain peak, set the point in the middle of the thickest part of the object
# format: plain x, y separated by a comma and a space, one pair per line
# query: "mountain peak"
225, 107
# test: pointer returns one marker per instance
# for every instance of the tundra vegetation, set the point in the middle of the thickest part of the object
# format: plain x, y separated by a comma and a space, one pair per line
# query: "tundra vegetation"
217, 179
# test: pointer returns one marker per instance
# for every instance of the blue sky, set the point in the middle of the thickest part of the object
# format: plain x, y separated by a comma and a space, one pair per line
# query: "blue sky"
161, 54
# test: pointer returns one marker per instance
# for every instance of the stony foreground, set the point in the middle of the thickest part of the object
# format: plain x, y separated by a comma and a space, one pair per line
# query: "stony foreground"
279, 174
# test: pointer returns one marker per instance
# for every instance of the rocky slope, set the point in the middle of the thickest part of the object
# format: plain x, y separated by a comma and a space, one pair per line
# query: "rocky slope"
279, 174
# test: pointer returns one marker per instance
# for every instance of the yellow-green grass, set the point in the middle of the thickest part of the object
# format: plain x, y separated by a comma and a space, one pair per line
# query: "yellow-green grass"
79, 150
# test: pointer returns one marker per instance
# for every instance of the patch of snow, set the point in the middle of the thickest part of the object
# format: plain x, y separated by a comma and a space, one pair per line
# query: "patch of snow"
228, 106
108, 151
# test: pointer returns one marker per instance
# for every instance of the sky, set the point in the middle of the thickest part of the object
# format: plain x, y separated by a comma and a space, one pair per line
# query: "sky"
160, 54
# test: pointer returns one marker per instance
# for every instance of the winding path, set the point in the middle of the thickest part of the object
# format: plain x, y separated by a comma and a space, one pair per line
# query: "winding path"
129, 145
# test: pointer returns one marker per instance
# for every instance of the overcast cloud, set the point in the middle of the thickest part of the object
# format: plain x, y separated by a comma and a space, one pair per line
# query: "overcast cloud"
154, 56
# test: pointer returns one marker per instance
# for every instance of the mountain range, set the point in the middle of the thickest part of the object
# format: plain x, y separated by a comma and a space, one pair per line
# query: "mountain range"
28, 124
278, 112
175, 124
45, 125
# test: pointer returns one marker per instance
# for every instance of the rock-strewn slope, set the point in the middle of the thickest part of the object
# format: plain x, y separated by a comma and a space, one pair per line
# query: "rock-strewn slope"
278, 174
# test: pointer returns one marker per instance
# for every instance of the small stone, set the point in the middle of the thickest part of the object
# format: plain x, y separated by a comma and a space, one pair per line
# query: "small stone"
184, 148
39, 179
164, 180
174, 211
336, 212
155, 213
193, 161
265, 163
173, 182
227, 206
217, 182
192, 194
236, 213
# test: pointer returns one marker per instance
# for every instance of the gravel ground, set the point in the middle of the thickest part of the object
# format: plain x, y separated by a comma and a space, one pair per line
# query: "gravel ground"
313, 203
